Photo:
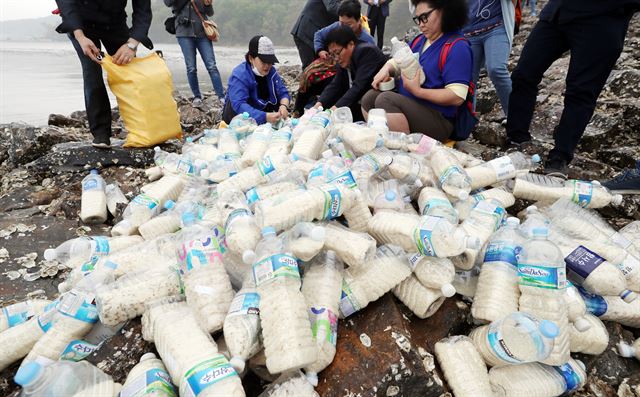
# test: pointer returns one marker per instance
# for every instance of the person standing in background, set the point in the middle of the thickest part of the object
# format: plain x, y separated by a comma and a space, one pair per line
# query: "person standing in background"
90, 24
191, 38
315, 15
377, 15
490, 32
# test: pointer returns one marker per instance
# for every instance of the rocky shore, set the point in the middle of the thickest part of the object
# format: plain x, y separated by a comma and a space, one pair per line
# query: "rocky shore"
41, 169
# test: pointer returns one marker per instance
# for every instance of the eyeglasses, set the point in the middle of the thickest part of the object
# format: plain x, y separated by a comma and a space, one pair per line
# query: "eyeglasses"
336, 55
424, 17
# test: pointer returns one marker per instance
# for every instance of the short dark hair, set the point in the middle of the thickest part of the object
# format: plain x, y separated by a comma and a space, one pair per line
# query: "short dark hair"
341, 35
454, 13
350, 9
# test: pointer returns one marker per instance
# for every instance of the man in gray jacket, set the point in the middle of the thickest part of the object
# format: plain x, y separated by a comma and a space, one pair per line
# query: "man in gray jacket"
315, 15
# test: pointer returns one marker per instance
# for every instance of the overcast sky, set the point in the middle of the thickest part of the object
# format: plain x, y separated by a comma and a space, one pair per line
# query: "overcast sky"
21, 9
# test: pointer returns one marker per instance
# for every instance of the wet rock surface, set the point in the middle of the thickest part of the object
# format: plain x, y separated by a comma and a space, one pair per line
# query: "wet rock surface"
382, 351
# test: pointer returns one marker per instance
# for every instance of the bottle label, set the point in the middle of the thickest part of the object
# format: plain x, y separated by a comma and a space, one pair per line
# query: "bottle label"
231, 156
18, 313
207, 373
582, 193
101, 246
155, 381
316, 172
91, 184
234, 216
372, 162
425, 145
78, 350
571, 378
497, 212
252, 196
499, 346
629, 264
281, 136
502, 251
596, 304
319, 119
243, 304
453, 169
348, 302
621, 240
265, 166
332, 202
324, 325
422, 235
542, 276
145, 201
581, 262
79, 305
45, 320
280, 265
345, 179
199, 252
435, 203
503, 168
414, 260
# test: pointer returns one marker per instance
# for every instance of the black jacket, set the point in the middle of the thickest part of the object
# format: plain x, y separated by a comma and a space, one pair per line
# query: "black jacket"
315, 15
105, 15
564, 11
366, 61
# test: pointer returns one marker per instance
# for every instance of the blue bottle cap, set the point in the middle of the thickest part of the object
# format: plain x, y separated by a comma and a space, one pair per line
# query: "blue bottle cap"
28, 373
536, 158
268, 230
390, 195
549, 329
189, 139
188, 218
245, 115
94, 172
540, 232
169, 204
111, 265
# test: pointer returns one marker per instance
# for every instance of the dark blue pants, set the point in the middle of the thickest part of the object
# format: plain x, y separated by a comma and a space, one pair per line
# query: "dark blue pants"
376, 23
96, 99
595, 44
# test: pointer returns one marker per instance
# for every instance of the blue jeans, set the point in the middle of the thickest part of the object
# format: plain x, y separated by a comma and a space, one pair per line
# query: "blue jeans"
189, 45
532, 4
492, 50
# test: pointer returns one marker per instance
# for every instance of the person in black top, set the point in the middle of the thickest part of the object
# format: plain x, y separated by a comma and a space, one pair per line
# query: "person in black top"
315, 15
594, 32
89, 24
359, 62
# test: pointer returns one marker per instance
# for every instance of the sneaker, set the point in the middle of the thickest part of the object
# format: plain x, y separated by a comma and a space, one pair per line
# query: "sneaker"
196, 102
101, 143
556, 166
627, 182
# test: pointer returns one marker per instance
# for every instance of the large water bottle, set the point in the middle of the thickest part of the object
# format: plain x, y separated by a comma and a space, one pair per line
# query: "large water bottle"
242, 325
257, 144
148, 378
536, 379
612, 308
285, 321
421, 300
243, 124
306, 240
322, 289
447, 168
65, 378
281, 141
81, 249
464, 207
502, 168
93, 206
389, 200
359, 138
221, 169
206, 283
377, 120
463, 367
229, 145
21, 312
406, 60
241, 231
497, 292
435, 273
280, 182
258, 174
370, 164
353, 248
543, 280
533, 219
409, 169
433, 202
516, 339
200, 151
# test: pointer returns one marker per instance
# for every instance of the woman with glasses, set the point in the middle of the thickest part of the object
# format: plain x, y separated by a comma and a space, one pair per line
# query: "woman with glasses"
429, 108
255, 86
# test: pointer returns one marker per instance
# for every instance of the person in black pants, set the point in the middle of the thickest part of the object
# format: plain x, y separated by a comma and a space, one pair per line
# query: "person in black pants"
90, 24
377, 14
315, 15
593, 31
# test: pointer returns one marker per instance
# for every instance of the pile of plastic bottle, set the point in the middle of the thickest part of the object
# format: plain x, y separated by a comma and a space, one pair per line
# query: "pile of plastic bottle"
268, 236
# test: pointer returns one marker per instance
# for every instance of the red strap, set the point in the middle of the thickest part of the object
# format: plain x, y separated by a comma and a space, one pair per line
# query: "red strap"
415, 42
444, 53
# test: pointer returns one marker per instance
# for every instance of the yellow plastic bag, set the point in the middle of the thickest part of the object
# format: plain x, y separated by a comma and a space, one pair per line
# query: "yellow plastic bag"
144, 90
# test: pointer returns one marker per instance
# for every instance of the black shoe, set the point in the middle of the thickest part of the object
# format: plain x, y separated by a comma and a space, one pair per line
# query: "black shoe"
628, 182
101, 143
556, 166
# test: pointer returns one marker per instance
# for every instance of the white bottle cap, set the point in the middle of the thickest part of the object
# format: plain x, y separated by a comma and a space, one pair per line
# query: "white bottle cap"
248, 257
50, 254
64, 286
238, 364
473, 243
147, 356
463, 195
448, 290
582, 324
625, 350
312, 377
616, 199
318, 233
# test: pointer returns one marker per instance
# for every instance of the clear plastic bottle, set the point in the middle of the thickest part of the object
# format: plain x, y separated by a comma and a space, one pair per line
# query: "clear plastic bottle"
542, 279
221, 169
321, 288
433, 202
463, 207
517, 338
377, 120
389, 200
463, 367
93, 206
148, 378
406, 60
243, 124
21, 312
353, 248
65, 378
594, 340
261, 172
340, 117
165, 223
280, 143
502, 168
281, 182
613, 308
242, 325
309, 144
435, 273
257, 144
421, 300
409, 169
362, 286
626, 350
537, 379
359, 138
241, 231
497, 292
370, 164
81, 249
533, 219
283, 312
228, 144
451, 176
576, 308
306, 240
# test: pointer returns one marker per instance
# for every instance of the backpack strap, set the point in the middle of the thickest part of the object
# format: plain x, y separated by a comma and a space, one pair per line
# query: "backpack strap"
415, 42
444, 53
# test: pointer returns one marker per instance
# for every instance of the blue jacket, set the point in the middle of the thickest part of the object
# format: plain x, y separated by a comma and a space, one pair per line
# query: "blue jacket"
242, 91
320, 37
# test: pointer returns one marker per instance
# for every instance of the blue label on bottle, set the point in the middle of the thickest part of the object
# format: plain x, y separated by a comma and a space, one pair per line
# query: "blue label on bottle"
374, 165
280, 265
79, 305
332, 202
348, 302
435, 203
145, 201
542, 276
18, 313
422, 235
266, 166
235, 215
91, 184
582, 193
102, 246
596, 304
195, 253
454, 169
154, 382
571, 378
316, 172
245, 303
500, 348
208, 373
502, 251
252, 196
45, 320
581, 262
78, 350
345, 179
281, 136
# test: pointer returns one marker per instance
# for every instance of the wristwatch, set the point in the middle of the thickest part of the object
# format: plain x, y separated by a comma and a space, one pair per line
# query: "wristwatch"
132, 46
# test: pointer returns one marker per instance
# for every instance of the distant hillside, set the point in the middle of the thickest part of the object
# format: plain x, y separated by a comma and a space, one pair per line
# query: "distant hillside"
238, 20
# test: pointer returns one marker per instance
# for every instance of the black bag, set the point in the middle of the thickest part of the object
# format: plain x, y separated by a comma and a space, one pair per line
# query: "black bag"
170, 23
